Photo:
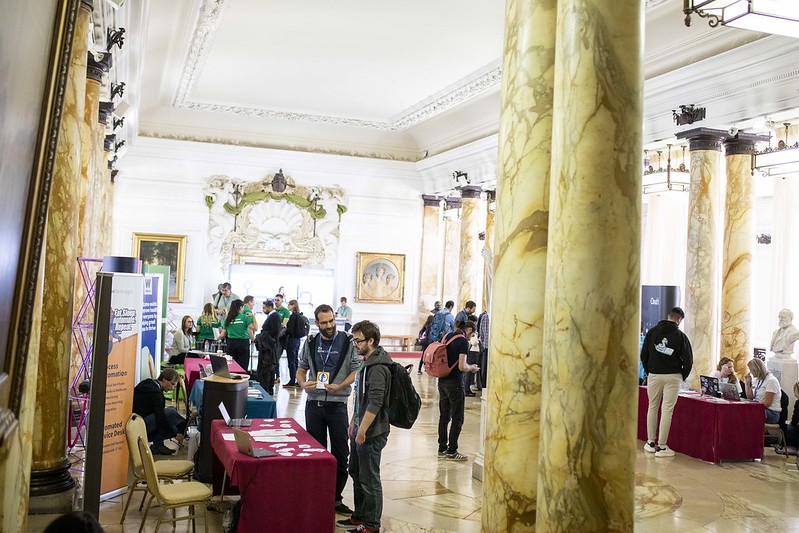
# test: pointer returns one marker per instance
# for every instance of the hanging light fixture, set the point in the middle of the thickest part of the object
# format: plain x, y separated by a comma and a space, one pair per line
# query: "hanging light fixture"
779, 161
780, 17
668, 179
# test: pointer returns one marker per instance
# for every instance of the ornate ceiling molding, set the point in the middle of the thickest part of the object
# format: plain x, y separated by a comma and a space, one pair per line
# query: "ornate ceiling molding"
211, 15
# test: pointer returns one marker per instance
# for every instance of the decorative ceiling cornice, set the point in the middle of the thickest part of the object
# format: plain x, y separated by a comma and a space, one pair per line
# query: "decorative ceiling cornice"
210, 17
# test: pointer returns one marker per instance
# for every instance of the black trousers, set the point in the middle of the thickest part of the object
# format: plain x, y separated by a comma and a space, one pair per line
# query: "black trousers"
450, 409
322, 418
239, 350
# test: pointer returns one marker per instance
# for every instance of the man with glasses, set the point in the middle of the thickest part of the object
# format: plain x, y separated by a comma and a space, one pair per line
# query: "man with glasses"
223, 299
332, 362
149, 403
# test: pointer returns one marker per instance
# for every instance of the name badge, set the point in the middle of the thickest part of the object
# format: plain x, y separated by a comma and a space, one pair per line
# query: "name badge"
321, 379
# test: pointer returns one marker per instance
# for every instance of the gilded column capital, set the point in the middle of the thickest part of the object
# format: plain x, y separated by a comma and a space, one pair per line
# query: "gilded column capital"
471, 191
98, 65
742, 143
431, 200
704, 138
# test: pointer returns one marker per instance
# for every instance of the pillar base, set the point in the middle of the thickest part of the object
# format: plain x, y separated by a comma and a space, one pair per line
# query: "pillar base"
477, 467
52, 490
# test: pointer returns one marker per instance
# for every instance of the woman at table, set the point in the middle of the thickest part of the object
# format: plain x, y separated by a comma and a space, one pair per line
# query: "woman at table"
238, 329
182, 341
725, 371
205, 327
295, 331
763, 387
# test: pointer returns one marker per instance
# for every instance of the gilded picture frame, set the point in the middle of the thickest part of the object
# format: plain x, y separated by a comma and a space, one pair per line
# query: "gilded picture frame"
380, 278
169, 250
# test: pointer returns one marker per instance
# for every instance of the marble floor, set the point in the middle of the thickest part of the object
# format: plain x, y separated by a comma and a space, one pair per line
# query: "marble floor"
425, 494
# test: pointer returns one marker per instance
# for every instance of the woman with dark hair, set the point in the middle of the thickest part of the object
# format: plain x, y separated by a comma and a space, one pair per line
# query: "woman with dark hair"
295, 331
238, 329
182, 341
424, 339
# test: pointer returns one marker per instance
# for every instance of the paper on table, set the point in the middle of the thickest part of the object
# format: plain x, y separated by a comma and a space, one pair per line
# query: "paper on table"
228, 436
275, 438
273, 432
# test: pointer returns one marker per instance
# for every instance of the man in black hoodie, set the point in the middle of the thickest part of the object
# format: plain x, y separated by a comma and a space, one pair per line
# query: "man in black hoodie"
162, 423
667, 359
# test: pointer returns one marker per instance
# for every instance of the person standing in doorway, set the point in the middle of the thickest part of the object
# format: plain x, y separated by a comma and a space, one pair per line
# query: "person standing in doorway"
667, 358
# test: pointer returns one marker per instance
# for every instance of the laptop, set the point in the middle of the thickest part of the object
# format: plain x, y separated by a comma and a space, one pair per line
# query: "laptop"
220, 368
730, 391
233, 422
710, 386
244, 445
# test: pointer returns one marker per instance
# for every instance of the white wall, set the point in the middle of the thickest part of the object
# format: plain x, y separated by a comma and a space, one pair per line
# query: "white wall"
159, 190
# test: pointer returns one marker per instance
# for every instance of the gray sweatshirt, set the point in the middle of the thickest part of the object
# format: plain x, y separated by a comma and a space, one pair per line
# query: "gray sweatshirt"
348, 362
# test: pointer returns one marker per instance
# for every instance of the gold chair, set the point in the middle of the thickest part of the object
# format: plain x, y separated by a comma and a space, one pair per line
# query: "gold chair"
774, 430
172, 496
168, 469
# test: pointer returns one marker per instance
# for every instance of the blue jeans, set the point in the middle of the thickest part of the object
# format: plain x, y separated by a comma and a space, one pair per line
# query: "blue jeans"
156, 433
330, 417
366, 485
450, 408
292, 354
772, 417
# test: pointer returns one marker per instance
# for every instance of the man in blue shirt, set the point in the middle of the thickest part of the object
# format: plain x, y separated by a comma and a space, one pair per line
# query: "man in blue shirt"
443, 322
463, 315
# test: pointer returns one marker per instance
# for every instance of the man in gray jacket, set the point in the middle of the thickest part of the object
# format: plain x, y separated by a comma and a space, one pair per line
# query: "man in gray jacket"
332, 361
369, 428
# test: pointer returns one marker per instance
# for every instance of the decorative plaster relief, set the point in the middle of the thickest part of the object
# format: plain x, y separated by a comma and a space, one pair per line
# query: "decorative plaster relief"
250, 221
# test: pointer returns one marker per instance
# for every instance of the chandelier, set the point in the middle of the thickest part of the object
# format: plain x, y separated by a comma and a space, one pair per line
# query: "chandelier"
668, 179
780, 17
779, 161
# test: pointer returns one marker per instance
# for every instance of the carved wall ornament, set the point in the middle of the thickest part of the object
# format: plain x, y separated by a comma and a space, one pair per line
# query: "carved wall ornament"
274, 220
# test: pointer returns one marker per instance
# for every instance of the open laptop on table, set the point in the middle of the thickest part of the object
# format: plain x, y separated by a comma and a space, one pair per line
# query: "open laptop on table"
233, 422
244, 445
730, 391
710, 386
220, 368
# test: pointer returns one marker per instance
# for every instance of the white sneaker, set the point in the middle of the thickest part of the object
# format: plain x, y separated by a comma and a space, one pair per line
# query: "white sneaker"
649, 447
665, 451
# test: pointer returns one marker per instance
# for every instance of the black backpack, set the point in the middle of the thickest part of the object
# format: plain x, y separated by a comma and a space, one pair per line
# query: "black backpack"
306, 325
404, 402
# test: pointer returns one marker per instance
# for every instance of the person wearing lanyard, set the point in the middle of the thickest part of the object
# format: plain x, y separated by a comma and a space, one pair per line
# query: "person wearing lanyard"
766, 391
332, 361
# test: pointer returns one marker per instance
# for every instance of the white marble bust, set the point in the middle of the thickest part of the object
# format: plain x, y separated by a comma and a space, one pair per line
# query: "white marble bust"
783, 339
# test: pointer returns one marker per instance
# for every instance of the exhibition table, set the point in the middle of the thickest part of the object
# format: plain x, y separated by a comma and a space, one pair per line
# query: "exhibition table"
711, 429
292, 491
263, 407
192, 368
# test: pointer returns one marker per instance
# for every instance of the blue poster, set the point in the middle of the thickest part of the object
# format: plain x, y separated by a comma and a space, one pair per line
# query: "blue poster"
150, 330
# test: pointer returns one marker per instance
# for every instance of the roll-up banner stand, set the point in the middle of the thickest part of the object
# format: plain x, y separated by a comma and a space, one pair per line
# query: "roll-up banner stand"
151, 326
117, 331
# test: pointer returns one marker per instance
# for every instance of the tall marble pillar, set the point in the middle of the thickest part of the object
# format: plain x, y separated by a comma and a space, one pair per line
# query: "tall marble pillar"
701, 322
586, 475
101, 246
429, 283
739, 243
452, 250
488, 250
512, 414
52, 486
468, 280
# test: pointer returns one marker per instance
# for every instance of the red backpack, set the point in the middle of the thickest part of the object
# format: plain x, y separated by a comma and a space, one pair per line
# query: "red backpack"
436, 362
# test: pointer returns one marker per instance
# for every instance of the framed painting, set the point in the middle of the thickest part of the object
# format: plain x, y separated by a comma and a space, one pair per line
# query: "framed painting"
380, 278
165, 250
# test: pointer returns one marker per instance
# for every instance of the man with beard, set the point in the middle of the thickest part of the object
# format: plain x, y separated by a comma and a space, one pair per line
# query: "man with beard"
267, 348
332, 361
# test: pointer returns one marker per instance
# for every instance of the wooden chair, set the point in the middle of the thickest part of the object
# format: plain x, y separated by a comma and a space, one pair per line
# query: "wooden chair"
172, 496
168, 469
776, 430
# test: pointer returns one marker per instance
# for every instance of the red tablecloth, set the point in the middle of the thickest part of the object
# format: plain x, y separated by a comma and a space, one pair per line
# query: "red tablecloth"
709, 430
192, 368
282, 493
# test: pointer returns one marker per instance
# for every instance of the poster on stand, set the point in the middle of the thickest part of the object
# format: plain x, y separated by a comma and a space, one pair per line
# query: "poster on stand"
150, 326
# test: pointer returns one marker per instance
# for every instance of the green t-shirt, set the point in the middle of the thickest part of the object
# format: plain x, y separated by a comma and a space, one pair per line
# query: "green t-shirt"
238, 327
207, 332
284, 313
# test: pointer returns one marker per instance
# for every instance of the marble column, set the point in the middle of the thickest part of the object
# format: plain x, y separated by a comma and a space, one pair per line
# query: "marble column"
429, 283
52, 486
512, 410
452, 250
739, 243
586, 476
701, 322
468, 280
102, 217
488, 250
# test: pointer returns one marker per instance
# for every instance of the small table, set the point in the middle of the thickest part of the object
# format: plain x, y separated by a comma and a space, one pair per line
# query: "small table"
192, 368
281, 493
711, 429
264, 407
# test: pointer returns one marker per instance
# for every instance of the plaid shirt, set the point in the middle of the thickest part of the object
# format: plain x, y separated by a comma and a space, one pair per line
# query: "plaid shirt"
482, 333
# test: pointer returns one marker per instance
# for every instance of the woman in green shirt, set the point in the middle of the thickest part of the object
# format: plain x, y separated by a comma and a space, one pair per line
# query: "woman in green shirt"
238, 326
206, 324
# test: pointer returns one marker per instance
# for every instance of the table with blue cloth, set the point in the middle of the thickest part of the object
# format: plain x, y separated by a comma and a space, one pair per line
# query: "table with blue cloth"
264, 407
